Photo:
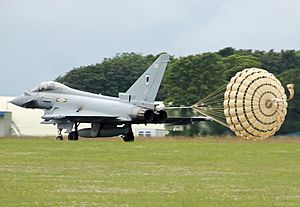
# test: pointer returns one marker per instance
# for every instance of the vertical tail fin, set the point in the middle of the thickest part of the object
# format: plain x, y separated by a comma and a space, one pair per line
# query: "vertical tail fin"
146, 87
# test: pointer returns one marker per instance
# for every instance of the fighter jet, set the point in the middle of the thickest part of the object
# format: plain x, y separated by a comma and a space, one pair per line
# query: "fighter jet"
66, 107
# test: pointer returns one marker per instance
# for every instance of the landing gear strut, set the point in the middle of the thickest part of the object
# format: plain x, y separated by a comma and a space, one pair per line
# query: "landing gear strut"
59, 136
74, 134
129, 136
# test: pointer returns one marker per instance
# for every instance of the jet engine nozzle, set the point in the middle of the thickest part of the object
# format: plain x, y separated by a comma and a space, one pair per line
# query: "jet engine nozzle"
160, 116
144, 114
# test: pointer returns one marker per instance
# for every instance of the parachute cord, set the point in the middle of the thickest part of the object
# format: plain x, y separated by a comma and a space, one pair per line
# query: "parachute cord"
212, 106
218, 92
214, 117
213, 102
215, 92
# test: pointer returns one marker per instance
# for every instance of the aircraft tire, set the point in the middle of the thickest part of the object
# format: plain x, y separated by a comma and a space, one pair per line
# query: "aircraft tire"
76, 137
129, 137
73, 136
59, 138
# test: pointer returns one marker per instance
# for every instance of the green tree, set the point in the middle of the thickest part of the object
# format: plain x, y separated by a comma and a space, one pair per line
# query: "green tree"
292, 121
235, 63
190, 78
194, 76
110, 77
227, 51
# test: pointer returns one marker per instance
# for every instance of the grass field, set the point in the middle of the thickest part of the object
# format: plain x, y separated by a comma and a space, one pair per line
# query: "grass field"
149, 172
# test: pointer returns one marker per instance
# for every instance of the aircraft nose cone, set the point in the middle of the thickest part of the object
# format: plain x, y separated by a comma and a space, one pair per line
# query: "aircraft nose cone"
23, 101
18, 101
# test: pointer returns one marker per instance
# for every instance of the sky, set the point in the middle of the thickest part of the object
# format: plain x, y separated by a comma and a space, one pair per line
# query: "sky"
43, 39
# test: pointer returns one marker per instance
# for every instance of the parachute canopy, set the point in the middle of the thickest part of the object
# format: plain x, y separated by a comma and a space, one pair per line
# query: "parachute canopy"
254, 104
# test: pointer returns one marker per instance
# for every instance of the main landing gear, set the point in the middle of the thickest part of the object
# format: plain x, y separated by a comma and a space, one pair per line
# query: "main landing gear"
129, 136
73, 135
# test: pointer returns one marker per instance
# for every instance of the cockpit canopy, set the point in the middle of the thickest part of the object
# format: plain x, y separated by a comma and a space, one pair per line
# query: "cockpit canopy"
47, 86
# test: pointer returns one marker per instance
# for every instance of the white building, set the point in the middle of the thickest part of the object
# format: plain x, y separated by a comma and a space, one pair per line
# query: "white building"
5, 123
26, 122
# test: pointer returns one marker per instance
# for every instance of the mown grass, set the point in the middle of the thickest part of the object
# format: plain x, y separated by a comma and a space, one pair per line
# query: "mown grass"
149, 172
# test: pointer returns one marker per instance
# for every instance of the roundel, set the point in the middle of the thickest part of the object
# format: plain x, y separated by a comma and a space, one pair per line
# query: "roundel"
147, 80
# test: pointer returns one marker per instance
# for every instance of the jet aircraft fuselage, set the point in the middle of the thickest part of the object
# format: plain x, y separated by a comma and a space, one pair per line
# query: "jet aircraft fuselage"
66, 107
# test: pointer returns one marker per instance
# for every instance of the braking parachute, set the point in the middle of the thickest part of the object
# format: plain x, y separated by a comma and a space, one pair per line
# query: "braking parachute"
253, 106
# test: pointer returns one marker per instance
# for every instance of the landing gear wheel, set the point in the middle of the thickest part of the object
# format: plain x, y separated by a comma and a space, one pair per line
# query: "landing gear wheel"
59, 138
73, 136
59, 135
129, 137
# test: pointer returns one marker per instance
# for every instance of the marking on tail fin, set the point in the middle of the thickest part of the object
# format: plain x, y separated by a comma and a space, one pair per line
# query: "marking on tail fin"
147, 79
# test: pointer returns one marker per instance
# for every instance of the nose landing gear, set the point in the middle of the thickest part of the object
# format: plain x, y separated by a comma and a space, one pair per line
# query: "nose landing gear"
59, 136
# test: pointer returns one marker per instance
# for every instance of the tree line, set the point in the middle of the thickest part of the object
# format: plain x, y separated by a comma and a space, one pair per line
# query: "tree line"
190, 78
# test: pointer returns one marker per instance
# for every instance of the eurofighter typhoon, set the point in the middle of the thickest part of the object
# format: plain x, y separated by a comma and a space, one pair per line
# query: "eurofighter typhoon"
66, 107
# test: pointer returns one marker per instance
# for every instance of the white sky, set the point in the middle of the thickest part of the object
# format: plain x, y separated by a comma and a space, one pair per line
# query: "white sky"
42, 39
